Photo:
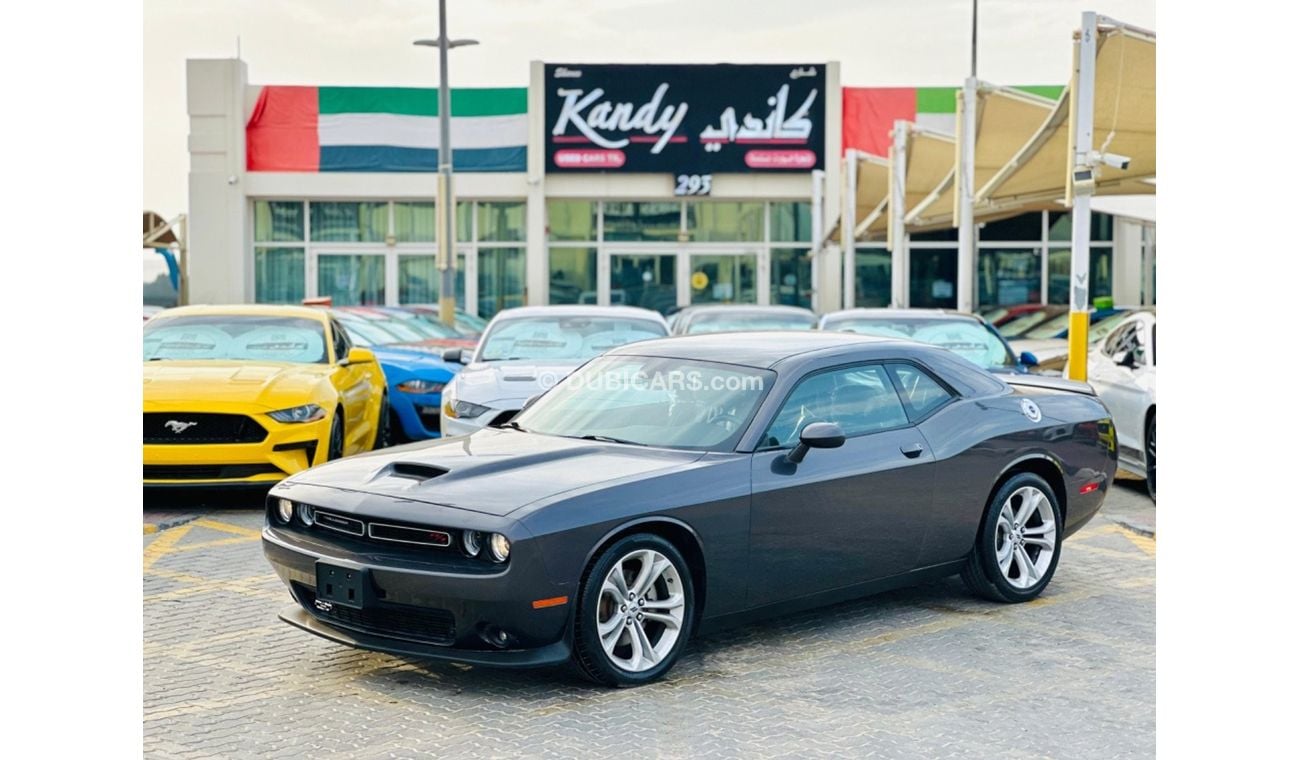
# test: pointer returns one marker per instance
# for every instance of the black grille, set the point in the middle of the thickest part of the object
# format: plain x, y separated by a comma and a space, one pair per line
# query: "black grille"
405, 535
397, 621
194, 427
207, 471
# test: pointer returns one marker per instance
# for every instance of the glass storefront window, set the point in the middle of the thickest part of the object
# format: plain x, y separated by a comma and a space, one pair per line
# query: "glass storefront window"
420, 282
791, 277
946, 235
279, 275
727, 279
500, 279
278, 221
1058, 274
572, 275
1023, 227
500, 222
645, 280
571, 220
873, 270
415, 222
1059, 227
464, 221
1010, 276
351, 279
933, 278
634, 220
724, 221
349, 222
792, 222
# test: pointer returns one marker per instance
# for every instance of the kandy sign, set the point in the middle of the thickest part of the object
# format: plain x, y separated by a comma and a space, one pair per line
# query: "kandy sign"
690, 119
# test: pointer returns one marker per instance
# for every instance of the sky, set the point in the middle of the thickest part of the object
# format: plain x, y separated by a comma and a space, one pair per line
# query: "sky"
879, 43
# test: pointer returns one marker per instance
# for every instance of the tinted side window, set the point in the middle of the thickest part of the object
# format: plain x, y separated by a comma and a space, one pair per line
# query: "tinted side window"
1120, 339
341, 343
860, 399
921, 393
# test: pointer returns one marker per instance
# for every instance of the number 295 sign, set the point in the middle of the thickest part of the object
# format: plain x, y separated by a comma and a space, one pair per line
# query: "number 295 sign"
693, 184
703, 119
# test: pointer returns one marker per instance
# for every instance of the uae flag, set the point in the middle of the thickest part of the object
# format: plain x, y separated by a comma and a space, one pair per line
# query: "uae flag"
385, 129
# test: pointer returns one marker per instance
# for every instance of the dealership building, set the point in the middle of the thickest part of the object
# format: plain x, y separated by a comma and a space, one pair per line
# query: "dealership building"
649, 185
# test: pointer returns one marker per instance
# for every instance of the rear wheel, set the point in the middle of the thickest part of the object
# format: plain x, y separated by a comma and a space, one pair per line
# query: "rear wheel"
335, 450
1019, 542
634, 612
1151, 457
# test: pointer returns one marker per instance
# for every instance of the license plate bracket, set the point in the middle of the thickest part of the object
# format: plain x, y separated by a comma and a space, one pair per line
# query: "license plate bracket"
345, 585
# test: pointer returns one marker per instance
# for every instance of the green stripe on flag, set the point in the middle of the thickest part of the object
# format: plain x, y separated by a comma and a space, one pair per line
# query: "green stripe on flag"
1049, 91
928, 100
421, 101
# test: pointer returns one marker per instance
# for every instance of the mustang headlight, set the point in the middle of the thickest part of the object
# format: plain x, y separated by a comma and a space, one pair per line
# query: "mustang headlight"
284, 510
457, 409
499, 547
304, 413
420, 386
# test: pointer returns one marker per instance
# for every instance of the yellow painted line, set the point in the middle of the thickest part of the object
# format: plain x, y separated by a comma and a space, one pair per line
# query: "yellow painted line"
225, 527
214, 542
1106, 551
150, 528
162, 545
1145, 543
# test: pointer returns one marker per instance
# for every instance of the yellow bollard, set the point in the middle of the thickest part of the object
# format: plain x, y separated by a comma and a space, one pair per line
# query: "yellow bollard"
1078, 339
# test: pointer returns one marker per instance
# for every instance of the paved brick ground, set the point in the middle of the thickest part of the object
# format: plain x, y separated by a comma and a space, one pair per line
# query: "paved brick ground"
927, 672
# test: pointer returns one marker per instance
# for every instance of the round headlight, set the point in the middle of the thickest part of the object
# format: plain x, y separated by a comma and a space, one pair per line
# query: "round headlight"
307, 514
472, 542
499, 547
284, 509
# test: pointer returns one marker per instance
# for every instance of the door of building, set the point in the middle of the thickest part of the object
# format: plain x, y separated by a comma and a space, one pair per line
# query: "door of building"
725, 277
649, 280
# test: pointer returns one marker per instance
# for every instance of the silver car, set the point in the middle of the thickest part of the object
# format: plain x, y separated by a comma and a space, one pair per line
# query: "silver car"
1122, 369
525, 351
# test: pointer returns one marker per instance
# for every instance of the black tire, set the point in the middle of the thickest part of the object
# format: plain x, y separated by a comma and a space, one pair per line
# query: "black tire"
335, 450
981, 573
589, 657
384, 435
1151, 457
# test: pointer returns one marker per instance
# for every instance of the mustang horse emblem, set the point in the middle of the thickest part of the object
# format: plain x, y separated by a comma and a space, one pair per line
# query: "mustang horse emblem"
178, 427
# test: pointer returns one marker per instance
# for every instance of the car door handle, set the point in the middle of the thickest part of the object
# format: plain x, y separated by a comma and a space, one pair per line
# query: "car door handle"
912, 451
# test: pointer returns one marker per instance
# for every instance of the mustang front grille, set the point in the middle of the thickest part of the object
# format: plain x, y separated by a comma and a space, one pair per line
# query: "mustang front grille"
398, 621
201, 427
207, 471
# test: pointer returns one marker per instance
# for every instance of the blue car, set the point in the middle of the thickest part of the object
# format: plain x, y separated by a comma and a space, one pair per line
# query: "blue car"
967, 335
416, 376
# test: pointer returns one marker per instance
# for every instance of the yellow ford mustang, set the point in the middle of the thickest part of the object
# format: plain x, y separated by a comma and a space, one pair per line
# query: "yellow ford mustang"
250, 394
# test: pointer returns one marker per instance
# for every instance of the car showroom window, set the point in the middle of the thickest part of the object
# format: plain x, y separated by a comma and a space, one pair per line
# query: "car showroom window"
860, 399
921, 393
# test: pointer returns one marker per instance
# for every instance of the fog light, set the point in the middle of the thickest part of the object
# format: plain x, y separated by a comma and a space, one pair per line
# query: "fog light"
472, 542
307, 514
284, 508
499, 547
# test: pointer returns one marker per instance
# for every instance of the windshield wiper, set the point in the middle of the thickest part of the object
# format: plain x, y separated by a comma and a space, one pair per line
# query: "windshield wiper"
605, 439
514, 426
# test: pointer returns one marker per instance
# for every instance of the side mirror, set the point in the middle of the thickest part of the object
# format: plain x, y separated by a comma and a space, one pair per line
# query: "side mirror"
359, 355
816, 435
454, 355
1028, 359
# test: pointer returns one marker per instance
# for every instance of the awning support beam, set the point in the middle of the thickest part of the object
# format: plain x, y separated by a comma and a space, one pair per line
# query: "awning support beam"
897, 239
1081, 180
968, 107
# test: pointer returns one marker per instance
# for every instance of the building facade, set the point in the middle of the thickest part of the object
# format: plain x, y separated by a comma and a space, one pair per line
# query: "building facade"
658, 186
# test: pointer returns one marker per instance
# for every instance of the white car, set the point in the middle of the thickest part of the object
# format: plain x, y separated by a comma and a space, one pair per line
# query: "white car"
1122, 369
526, 350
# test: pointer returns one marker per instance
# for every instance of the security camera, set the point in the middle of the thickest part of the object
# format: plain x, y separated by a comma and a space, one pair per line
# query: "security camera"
1113, 160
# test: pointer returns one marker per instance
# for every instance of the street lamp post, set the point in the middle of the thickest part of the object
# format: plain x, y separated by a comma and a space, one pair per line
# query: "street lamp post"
446, 198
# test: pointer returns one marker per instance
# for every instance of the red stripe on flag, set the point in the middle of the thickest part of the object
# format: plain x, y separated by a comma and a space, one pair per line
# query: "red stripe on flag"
281, 134
869, 114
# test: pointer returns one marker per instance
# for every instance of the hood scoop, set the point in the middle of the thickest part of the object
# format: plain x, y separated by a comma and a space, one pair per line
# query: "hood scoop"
410, 471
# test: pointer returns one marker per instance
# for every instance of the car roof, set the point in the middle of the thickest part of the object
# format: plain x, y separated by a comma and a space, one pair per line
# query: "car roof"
762, 348
244, 310
748, 307
882, 313
580, 310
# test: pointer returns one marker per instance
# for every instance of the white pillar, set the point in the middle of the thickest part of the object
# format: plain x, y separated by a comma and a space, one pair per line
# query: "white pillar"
830, 291
220, 255
536, 259
848, 224
818, 194
968, 105
1082, 179
897, 242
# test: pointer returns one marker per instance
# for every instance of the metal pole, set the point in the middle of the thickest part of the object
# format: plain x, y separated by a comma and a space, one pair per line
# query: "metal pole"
446, 194
968, 105
1081, 232
818, 232
183, 294
848, 228
897, 239
974, 33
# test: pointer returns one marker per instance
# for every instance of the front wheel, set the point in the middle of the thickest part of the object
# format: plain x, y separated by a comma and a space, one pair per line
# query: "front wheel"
335, 450
1151, 457
634, 612
1019, 542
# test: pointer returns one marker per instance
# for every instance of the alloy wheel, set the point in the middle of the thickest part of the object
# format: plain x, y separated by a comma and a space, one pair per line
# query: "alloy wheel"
1026, 537
641, 611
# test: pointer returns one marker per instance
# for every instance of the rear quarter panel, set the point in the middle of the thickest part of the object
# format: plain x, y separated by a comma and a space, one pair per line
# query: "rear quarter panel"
977, 441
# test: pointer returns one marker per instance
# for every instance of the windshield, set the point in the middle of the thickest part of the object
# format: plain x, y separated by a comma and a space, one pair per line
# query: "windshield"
993, 315
1105, 325
231, 337
651, 401
723, 321
1016, 327
428, 329
366, 334
967, 338
563, 338
1049, 329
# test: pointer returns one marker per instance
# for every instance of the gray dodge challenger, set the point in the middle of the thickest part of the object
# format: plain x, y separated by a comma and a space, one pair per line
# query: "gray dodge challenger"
676, 486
